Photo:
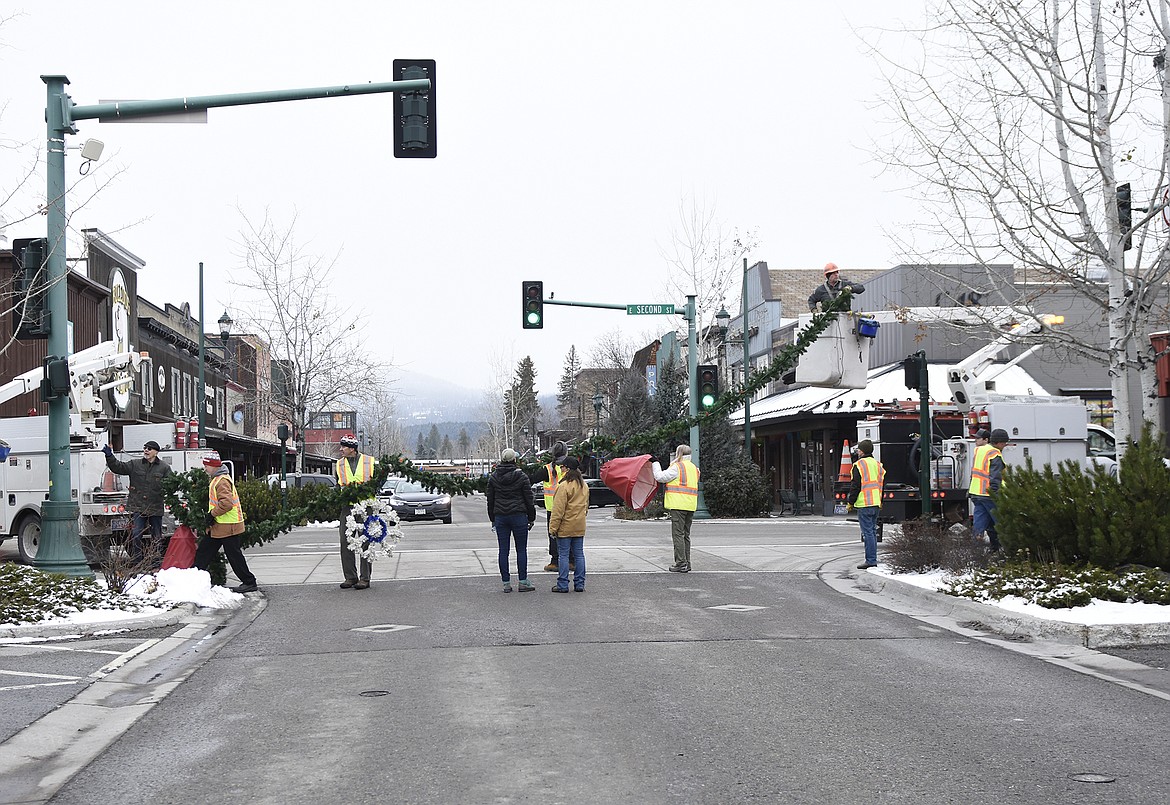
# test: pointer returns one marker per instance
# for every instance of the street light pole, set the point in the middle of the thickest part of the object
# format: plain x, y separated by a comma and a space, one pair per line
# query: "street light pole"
747, 402
201, 401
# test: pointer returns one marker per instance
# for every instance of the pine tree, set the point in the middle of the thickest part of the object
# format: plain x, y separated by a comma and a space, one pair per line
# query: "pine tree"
520, 406
568, 400
464, 444
446, 449
632, 411
433, 442
420, 449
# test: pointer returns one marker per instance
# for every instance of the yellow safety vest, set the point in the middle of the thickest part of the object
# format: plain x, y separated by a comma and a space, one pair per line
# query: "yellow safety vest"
873, 475
236, 513
683, 492
365, 470
555, 472
981, 469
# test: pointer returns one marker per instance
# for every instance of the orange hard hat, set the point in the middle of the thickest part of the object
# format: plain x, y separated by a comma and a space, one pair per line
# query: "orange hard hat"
831, 268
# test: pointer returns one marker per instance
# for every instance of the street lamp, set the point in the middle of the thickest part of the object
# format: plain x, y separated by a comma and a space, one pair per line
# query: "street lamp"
597, 403
524, 430
225, 327
722, 319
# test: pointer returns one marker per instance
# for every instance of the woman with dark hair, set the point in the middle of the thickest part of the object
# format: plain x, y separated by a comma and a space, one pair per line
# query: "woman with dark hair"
567, 525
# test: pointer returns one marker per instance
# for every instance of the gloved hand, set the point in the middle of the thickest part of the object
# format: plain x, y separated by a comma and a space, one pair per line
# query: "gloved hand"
209, 520
849, 508
531, 523
109, 451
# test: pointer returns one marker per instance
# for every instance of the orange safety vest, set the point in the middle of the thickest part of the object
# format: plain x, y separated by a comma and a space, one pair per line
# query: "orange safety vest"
233, 515
555, 473
683, 492
981, 469
364, 472
873, 475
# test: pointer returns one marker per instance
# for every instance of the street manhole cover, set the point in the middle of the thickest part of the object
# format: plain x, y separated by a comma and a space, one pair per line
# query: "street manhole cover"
374, 693
1090, 777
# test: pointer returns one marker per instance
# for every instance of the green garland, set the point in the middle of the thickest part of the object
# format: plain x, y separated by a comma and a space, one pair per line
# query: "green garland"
186, 493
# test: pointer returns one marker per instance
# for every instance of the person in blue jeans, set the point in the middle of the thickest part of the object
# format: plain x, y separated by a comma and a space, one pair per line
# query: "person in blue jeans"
865, 497
567, 524
512, 512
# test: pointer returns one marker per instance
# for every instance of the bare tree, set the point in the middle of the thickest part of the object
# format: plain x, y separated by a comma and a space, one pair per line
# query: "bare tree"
1019, 122
706, 259
321, 346
380, 426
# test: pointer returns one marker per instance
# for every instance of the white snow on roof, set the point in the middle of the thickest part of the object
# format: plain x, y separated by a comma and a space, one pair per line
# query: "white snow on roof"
886, 384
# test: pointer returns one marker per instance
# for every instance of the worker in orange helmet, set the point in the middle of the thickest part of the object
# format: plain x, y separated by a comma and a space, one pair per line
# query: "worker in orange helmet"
831, 288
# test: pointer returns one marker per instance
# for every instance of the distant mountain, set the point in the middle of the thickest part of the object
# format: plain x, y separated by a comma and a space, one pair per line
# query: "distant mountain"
423, 399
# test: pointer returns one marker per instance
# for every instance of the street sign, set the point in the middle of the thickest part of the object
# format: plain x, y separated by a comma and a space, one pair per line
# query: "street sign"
649, 310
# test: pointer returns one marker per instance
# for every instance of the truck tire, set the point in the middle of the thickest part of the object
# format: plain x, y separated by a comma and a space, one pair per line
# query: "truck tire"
28, 537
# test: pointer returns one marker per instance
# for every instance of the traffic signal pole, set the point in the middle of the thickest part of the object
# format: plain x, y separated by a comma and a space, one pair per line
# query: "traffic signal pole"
59, 548
701, 512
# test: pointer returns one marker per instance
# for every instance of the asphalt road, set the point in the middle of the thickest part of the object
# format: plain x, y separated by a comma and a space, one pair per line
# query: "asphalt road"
712, 687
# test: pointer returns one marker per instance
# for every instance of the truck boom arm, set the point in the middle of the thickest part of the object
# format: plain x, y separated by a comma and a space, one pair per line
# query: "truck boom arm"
90, 371
967, 377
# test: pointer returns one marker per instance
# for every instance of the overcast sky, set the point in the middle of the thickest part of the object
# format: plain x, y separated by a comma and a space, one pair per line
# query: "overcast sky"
569, 134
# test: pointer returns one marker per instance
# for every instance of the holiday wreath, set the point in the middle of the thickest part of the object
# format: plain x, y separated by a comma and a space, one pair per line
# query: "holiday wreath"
371, 530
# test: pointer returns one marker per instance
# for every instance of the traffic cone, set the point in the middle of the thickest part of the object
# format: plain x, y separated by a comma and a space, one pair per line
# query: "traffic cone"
846, 472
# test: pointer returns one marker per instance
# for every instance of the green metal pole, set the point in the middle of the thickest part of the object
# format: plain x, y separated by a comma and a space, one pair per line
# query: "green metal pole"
747, 403
924, 436
59, 549
201, 402
701, 512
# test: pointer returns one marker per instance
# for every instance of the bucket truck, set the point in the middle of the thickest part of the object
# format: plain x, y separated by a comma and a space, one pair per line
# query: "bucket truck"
24, 451
1046, 429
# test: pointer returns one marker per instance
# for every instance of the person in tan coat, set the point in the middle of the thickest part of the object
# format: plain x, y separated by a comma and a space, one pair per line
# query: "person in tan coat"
567, 525
225, 522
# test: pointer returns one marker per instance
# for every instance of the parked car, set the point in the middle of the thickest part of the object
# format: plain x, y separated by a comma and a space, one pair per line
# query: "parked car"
411, 501
599, 493
387, 490
297, 480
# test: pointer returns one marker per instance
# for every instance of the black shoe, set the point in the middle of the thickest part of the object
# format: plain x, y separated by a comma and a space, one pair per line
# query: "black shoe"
679, 568
362, 585
244, 588
866, 565
560, 589
345, 585
579, 589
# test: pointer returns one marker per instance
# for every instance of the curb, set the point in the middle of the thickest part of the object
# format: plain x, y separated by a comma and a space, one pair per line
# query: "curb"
1012, 625
35, 630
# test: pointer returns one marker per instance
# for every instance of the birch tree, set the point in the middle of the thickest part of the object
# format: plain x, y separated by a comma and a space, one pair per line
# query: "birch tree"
705, 258
284, 300
1018, 122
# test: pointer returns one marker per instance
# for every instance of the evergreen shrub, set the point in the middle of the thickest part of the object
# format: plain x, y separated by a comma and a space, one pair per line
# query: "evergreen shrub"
1091, 517
737, 489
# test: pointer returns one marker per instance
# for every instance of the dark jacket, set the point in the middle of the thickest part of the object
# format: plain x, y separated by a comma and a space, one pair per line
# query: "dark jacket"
510, 492
825, 292
995, 474
146, 495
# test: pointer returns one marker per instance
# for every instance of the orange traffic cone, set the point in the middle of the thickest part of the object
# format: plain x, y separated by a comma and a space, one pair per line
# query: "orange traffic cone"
846, 472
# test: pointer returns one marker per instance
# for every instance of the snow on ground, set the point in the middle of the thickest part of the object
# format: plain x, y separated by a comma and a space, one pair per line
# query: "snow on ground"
1098, 613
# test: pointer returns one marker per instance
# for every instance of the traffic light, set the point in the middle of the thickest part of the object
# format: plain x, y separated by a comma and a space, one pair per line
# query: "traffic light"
912, 368
415, 128
532, 292
30, 319
1125, 214
708, 386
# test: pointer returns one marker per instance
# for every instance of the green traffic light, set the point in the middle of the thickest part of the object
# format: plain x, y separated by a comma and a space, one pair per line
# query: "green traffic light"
708, 400
533, 317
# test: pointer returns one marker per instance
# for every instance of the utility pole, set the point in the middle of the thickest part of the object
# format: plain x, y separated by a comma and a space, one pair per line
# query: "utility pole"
60, 545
